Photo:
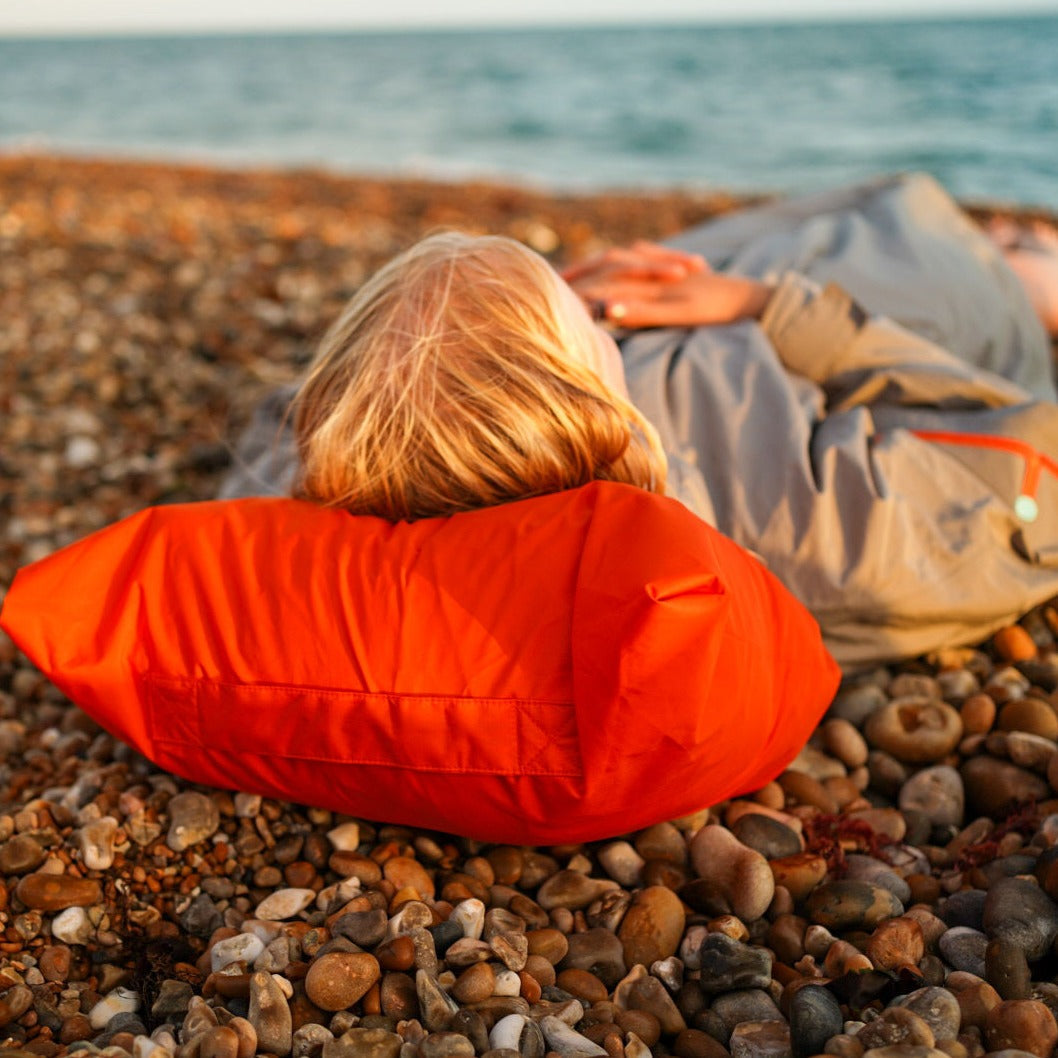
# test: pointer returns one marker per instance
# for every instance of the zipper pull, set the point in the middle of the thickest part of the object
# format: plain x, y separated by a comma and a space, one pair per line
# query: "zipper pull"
1026, 508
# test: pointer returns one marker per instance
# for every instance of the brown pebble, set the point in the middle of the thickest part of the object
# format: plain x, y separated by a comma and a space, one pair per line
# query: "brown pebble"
267, 877
652, 926
896, 1026
1021, 1024
978, 714
1014, 644
886, 822
512, 949
535, 916
20, 854
549, 943
353, 865
219, 1042
506, 862
991, 785
398, 997
336, 981
404, 872
583, 985
843, 789
56, 892
300, 874
842, 739
844, 1046
370, 1004
801, 789
1029, 714
976, 1001
799, 874
662, 841
895, 943
665, 873
786, 937
1007, 969
474, 984
14, 1003
850, 905
600, 1032
844, 958
693, 1043
730, 926
915, 730
925, 889
644, 1024
54, 962
76, 1027
572, 890
398, 953
540, 968
530, 989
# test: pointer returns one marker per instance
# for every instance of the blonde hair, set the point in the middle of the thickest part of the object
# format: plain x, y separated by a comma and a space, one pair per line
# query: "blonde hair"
457, 378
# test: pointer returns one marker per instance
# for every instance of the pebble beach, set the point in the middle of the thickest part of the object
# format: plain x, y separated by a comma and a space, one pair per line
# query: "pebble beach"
893, 894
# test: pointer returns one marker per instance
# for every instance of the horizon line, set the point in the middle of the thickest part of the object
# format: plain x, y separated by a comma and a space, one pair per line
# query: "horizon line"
735, 20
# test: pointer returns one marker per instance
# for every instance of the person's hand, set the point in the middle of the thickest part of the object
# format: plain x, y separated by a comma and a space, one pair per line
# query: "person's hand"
642, 261
697, 299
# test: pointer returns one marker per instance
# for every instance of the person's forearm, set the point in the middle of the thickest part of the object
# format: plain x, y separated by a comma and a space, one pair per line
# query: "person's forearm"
755, 296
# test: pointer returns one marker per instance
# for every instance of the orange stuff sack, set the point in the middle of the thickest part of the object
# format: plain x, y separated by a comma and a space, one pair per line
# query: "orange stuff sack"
564, 668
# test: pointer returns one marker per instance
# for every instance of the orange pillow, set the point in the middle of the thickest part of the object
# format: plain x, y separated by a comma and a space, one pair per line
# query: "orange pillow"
563, 668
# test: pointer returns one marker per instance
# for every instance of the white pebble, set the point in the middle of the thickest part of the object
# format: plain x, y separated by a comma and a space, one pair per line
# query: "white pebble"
81, 421
284, 903
669, 972
579, 863
243, 947
622, 863
120, 1001
508, 983
691, 946
507, 1032
165, 1039
566, 1040
71, 926
470, 916
97, 843
266, 932
340, 893
82, 452
145, 1047
247, 805
275, 958
345, 837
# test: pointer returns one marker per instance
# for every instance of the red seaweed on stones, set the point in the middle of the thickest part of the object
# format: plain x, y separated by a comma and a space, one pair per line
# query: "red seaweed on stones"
1022, 817
831, 835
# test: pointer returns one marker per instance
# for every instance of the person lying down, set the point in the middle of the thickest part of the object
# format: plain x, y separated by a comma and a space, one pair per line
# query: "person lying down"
854, 385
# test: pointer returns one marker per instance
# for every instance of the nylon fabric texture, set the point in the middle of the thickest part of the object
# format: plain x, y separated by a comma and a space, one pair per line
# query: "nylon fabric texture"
563, 668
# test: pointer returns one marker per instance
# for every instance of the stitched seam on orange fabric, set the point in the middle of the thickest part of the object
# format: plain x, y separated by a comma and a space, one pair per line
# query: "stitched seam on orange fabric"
331, 692
371, 763
527, 768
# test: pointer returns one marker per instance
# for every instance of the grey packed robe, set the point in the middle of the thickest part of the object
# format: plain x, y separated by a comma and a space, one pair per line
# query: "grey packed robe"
802, 437
794, 437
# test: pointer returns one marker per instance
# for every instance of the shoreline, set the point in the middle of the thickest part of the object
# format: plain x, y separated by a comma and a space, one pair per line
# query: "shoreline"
147, 308
198, 166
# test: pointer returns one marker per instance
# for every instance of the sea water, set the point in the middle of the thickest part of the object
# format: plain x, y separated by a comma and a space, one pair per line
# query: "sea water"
746, 108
